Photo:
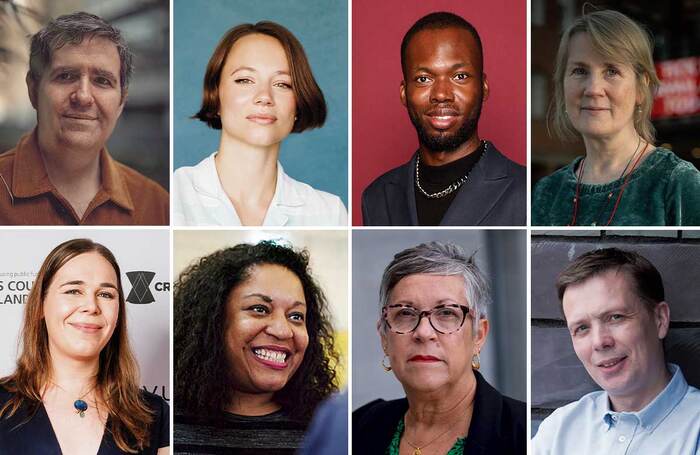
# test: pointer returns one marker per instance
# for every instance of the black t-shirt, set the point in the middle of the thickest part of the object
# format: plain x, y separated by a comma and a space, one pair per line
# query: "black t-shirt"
25, 433
272, 434
436, 178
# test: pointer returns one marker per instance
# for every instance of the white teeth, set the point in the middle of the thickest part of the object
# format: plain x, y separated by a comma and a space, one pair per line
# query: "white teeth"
273, 356
609, 364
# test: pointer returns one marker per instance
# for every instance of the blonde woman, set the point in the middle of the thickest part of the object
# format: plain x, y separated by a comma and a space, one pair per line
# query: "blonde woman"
604, 90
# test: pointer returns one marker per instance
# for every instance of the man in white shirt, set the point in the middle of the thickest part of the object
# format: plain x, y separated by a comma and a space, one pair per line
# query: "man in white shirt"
613, 303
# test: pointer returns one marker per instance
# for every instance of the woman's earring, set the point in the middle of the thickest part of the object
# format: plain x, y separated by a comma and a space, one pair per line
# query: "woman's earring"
476, 361
386, 367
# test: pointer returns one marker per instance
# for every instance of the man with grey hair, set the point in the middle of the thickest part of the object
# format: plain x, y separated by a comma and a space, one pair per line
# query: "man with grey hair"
433, 301
61, 172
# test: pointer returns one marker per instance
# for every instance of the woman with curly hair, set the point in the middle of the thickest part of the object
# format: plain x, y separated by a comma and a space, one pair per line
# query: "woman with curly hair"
76, 386
254, 350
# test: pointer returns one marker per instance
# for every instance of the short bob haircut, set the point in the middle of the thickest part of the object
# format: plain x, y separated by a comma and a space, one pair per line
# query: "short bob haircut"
203, 380
645, 279
617, 38
444, 259
73, 29
311, 105
117, 377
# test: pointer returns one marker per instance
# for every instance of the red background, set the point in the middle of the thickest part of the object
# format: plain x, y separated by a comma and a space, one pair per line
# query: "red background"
382, 134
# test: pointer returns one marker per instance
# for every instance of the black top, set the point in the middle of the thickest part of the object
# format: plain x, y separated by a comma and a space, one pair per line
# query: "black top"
272, 434
36, 435
436, 178
494, 195
497, 425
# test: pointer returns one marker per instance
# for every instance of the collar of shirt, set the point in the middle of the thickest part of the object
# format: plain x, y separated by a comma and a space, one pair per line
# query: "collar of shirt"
285, 200
30, 179
653, 413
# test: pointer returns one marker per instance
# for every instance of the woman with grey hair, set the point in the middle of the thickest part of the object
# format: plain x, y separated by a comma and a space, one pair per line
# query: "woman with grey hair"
433, 325
605, 84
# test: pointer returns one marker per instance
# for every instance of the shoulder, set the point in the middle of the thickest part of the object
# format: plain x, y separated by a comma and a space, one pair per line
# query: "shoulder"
5, 395
188, 174
155, 403
141, 185
378, 411
505, 164
555, 179
572, 412
395, 175
321, 206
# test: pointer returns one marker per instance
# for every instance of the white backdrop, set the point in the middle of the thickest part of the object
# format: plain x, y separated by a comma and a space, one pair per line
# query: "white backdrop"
22, 253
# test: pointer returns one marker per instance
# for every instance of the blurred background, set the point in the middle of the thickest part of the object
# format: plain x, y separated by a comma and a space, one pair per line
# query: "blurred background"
328, 251
141, 138
675, 28
501, 255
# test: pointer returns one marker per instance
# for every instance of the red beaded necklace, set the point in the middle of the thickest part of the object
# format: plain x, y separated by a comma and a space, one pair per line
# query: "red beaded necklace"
579, 177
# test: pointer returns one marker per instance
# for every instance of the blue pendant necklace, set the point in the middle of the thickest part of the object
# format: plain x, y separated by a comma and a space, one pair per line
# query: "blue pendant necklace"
80, 405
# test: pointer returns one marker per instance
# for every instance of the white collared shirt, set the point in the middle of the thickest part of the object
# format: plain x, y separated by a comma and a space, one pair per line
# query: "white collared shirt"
199, 200
669, 425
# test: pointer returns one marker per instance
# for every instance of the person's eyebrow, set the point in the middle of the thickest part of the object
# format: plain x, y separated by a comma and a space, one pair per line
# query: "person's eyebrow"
82, 283
268, 299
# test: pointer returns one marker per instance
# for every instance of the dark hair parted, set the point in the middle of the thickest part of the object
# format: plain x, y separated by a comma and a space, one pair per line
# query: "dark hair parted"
203, 382
438, 21
117, 377
310, 103
645, 280
73, 29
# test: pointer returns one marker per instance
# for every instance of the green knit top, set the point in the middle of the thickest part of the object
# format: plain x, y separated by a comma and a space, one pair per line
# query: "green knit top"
393, 449
663, 191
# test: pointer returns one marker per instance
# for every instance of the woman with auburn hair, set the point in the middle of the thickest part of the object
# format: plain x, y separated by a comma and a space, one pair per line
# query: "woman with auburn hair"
76, 386
258, 88
605, 84
254, 350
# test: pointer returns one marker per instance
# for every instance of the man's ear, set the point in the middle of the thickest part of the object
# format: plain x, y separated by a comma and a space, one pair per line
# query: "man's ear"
485, 86
662, 319
31, 89
402, 92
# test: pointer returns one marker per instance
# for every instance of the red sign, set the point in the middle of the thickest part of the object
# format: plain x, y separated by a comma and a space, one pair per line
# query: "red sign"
679, 93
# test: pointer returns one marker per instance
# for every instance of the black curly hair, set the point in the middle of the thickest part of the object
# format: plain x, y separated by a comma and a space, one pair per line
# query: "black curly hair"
203, 383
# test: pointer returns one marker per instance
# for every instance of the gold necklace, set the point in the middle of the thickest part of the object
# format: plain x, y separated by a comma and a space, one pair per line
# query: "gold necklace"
80, 405
417, 450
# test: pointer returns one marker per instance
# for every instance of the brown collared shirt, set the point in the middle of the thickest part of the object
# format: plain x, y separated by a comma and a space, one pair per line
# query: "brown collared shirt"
27, 196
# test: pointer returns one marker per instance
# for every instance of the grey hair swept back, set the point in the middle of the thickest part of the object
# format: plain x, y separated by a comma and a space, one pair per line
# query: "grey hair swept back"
435, 258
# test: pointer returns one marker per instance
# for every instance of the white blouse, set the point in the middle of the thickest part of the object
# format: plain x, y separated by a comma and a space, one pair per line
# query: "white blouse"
199, 200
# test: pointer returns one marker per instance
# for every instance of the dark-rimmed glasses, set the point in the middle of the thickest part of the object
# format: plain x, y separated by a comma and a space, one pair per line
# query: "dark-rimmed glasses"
444, 319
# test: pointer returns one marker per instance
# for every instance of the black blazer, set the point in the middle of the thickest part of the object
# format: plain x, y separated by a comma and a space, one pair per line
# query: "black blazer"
497, 425
494, 195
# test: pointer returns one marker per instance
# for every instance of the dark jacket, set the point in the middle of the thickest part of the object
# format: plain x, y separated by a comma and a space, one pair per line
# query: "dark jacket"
494, 195
497, 425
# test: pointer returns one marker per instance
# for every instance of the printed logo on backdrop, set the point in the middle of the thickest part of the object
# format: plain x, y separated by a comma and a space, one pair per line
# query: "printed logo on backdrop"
141, 287
15, 286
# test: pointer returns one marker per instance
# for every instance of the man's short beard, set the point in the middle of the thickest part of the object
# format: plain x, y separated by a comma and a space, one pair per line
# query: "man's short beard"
447, 142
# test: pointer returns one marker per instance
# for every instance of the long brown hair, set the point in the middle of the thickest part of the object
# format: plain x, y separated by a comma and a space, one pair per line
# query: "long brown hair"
117, 376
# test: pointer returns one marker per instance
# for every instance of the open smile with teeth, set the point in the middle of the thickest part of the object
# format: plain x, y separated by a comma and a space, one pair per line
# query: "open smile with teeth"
270, 355
611, 363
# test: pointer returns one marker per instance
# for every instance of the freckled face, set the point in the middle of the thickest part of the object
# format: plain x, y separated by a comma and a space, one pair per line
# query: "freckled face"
600, 95
443, 87
78, 98
424, 359
614, 336
81, 307
257, 103
266, 331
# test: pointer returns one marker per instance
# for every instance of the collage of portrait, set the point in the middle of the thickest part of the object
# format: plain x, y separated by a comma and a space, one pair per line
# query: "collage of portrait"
338, 227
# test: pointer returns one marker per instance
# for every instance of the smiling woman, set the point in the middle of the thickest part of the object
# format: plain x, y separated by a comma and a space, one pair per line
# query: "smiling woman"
605, 84
75, 389
254, 350
258, 88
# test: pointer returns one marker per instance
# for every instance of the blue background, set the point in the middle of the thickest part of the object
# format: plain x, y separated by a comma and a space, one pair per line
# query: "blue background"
317, 157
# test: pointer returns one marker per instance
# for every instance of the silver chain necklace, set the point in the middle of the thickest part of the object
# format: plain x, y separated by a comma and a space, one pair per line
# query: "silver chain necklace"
454, 186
